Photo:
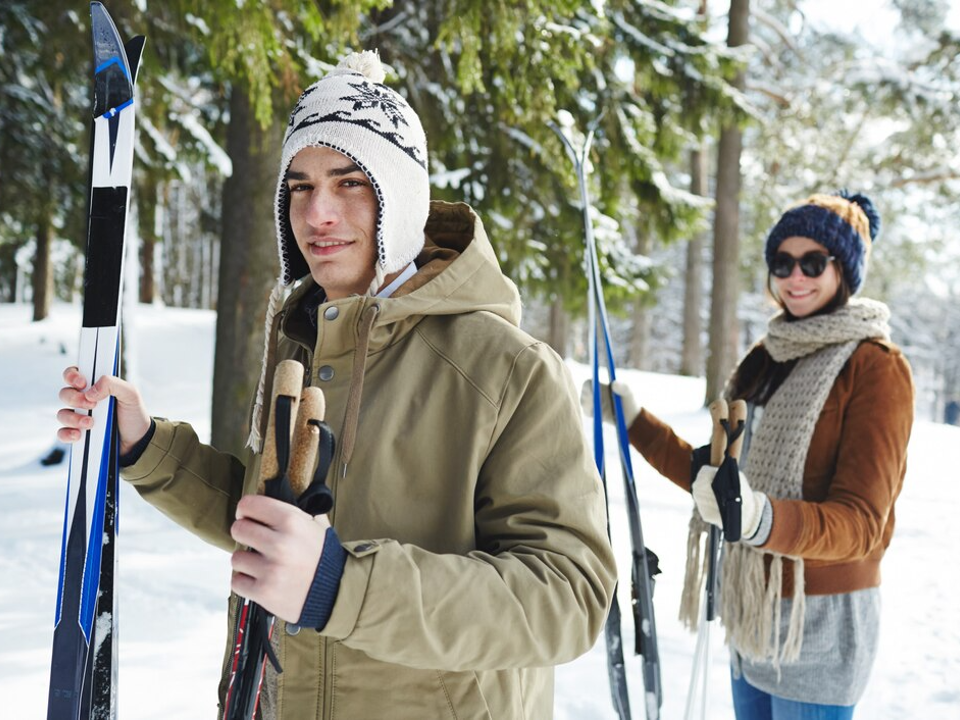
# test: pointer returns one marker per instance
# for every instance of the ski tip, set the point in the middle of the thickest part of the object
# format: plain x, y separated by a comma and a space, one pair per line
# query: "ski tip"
134, 50
113, 80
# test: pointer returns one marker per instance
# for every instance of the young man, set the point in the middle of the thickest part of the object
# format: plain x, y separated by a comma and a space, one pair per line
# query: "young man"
468, 550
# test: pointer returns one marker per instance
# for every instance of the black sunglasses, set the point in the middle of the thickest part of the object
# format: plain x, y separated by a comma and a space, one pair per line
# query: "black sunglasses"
812, 264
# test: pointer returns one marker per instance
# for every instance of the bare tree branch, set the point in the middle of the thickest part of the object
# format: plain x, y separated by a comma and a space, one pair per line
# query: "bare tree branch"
780, 99
926, 178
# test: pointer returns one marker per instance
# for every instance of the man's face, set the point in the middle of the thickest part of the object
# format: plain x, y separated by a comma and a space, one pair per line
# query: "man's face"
333, 213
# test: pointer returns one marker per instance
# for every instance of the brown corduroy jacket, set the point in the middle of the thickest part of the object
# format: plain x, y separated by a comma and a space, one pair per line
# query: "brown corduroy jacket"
853, 473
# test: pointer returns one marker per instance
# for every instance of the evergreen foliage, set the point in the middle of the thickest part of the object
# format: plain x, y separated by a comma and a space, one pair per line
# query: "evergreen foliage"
43, 137
486, 78
828, 110
644, 66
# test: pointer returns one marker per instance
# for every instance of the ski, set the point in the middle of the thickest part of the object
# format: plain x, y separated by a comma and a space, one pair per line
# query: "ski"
83, 668
644, 563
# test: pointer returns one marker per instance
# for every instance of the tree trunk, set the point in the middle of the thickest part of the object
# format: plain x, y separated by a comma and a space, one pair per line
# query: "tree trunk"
559, 327
128, 300
726, 230
248, 269
642, 318
148, 239
148, 286
43, 270
691, 356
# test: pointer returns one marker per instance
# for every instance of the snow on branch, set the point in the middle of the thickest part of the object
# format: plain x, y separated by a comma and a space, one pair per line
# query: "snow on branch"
163, 147
522, 138
449, 178
215, 154
778, 27
662, 11
640, 38
881, 71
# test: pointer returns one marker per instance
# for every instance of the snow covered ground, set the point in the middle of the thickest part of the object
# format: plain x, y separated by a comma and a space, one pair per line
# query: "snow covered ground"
173, 588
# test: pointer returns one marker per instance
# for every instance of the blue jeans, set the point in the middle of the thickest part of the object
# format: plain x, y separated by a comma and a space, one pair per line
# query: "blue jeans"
749, 703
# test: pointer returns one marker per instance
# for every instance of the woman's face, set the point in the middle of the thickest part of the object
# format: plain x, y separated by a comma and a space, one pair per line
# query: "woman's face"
802, 295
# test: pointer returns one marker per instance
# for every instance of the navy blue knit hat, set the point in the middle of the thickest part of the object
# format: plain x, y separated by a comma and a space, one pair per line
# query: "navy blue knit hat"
845, 224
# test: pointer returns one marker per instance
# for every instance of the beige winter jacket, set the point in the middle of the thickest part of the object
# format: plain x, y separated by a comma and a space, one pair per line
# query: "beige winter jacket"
470, 508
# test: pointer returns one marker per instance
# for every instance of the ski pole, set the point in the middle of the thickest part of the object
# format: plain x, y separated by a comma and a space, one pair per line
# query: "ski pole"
297, 454
252, 642
727, 423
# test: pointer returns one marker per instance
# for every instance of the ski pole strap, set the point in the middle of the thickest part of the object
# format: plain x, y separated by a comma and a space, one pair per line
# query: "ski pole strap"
738, 419
726, 490
317, 499
718, 437
648, 562
287, 383
304, 452
278, 487
264, 627
718, 446
726, 483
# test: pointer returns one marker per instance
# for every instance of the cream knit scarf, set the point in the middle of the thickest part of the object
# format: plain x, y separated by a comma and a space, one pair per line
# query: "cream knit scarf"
750, 606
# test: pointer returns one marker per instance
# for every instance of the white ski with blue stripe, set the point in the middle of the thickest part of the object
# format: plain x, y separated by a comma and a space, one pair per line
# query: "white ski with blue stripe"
83, 666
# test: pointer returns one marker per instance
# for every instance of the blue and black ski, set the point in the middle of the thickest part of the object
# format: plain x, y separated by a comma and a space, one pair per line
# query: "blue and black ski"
644, 562
84, 665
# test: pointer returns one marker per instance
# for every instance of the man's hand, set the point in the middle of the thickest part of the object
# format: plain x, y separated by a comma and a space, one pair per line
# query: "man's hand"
287, 543
133, 420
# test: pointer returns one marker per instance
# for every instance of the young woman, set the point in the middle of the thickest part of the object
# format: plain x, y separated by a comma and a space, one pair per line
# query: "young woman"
830, 408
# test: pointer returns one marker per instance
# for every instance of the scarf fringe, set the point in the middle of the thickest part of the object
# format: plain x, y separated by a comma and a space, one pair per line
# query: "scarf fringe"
751, 606
695, 574
750, 599
794, 640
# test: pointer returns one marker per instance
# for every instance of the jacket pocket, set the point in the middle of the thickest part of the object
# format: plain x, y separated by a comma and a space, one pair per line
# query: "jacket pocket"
463, 692
365, 688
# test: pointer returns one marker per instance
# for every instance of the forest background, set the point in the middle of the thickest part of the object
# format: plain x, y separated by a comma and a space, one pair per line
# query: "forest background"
713, 117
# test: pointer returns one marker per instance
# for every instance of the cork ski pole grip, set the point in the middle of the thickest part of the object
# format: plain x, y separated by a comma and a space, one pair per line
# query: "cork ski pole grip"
718, 440
738, 415
287, 382
306, 439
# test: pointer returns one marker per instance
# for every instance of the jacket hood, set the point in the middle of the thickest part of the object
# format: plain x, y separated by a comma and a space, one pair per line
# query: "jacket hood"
457, 272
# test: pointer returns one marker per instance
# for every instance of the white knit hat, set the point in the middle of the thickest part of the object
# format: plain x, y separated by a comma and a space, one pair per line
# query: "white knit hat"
352, 112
